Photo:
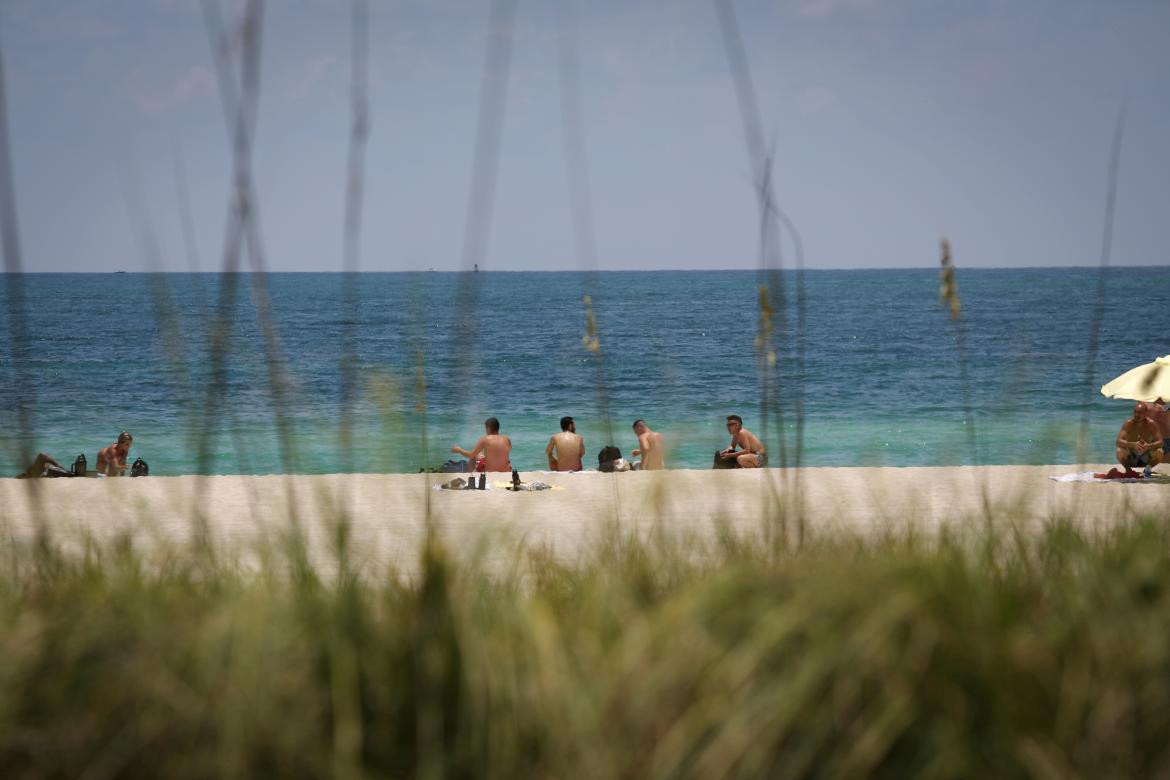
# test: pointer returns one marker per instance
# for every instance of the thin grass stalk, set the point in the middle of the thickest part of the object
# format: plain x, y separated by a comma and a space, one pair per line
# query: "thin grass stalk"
351, 242
772, 295
949, 296
24, 397
581, 202
221, 329
481, 193
169, 325
1096, 321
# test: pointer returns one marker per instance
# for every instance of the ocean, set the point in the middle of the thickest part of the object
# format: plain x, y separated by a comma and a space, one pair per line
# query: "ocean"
881, 381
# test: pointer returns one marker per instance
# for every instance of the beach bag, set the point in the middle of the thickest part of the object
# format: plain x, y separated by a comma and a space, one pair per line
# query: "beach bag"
607, 457
139, 468
79, 466
720, 463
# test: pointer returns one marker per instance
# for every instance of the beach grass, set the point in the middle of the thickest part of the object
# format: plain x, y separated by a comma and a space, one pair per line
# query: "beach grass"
989, 653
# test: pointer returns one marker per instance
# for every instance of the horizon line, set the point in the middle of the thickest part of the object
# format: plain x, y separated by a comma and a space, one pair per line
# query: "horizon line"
1111, 266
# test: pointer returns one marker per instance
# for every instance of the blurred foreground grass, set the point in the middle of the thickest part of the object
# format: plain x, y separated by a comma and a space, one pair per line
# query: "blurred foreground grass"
996, 654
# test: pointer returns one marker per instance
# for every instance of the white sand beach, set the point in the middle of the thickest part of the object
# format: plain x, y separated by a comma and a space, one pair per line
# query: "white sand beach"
389, 513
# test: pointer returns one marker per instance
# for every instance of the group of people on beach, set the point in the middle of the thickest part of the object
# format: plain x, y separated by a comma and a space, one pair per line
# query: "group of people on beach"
566, 450
1144, 440
111, 462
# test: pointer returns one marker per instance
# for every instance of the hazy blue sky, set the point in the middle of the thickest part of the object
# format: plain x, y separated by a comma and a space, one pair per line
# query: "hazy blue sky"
895, 121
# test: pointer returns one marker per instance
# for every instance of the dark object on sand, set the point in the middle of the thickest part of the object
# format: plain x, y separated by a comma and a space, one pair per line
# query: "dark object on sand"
57, 471
139, 468
450, 467
720, 463
483, 480
79, 466
470, 483
515, 479
455, 484
607, 456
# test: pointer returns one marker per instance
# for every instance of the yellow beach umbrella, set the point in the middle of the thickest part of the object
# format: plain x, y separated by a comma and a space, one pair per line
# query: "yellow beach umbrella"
1147, 382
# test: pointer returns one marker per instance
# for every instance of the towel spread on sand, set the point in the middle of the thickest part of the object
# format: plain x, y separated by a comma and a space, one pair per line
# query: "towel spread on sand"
1113, 475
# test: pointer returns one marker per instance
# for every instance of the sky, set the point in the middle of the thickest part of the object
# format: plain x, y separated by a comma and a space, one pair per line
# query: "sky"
893, 123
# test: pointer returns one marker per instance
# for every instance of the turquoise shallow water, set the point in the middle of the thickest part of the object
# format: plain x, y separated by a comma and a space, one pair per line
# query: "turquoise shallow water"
880, 384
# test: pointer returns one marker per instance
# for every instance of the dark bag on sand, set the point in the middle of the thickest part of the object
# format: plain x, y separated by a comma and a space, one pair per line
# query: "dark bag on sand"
139, 468
57, 471
606, 457
79, 466
720, 463
454, 467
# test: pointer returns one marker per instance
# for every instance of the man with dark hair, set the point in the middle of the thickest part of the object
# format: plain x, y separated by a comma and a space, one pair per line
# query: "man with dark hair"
1139, 442
569, 447
650, 447
495, 448
750, 453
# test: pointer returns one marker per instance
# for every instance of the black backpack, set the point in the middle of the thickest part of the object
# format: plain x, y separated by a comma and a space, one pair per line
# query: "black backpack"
720, 463
139, 468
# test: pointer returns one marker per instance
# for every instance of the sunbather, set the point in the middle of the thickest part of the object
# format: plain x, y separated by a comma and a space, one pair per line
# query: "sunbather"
111, 460
43, 466
746, 450
566, 450
495, 448
1139, 444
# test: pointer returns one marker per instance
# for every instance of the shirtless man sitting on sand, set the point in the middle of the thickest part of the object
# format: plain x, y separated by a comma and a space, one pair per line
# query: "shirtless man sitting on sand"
1140, 441
650, 447
111, 460
495, 448
569, 447
751, 453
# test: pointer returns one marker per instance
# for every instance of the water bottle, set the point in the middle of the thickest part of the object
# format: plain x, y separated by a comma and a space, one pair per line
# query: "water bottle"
483, 480
515, 479
79, 466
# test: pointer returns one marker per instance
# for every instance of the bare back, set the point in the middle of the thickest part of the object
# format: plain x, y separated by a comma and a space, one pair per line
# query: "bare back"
570, 449
496, 452
653, 451
1161, 418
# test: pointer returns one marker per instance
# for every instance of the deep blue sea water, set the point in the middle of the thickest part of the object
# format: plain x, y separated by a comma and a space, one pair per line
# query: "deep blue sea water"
880, 384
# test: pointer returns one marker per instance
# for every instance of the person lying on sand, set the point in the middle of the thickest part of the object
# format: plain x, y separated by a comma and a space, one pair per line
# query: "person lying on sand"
495, 448
569, 447
111, 460
41, 467
650, 447
751, 453
1140, 441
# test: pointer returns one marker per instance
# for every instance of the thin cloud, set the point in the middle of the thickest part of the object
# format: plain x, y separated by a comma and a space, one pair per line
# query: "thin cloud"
311, 73
151, 98
816, 8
